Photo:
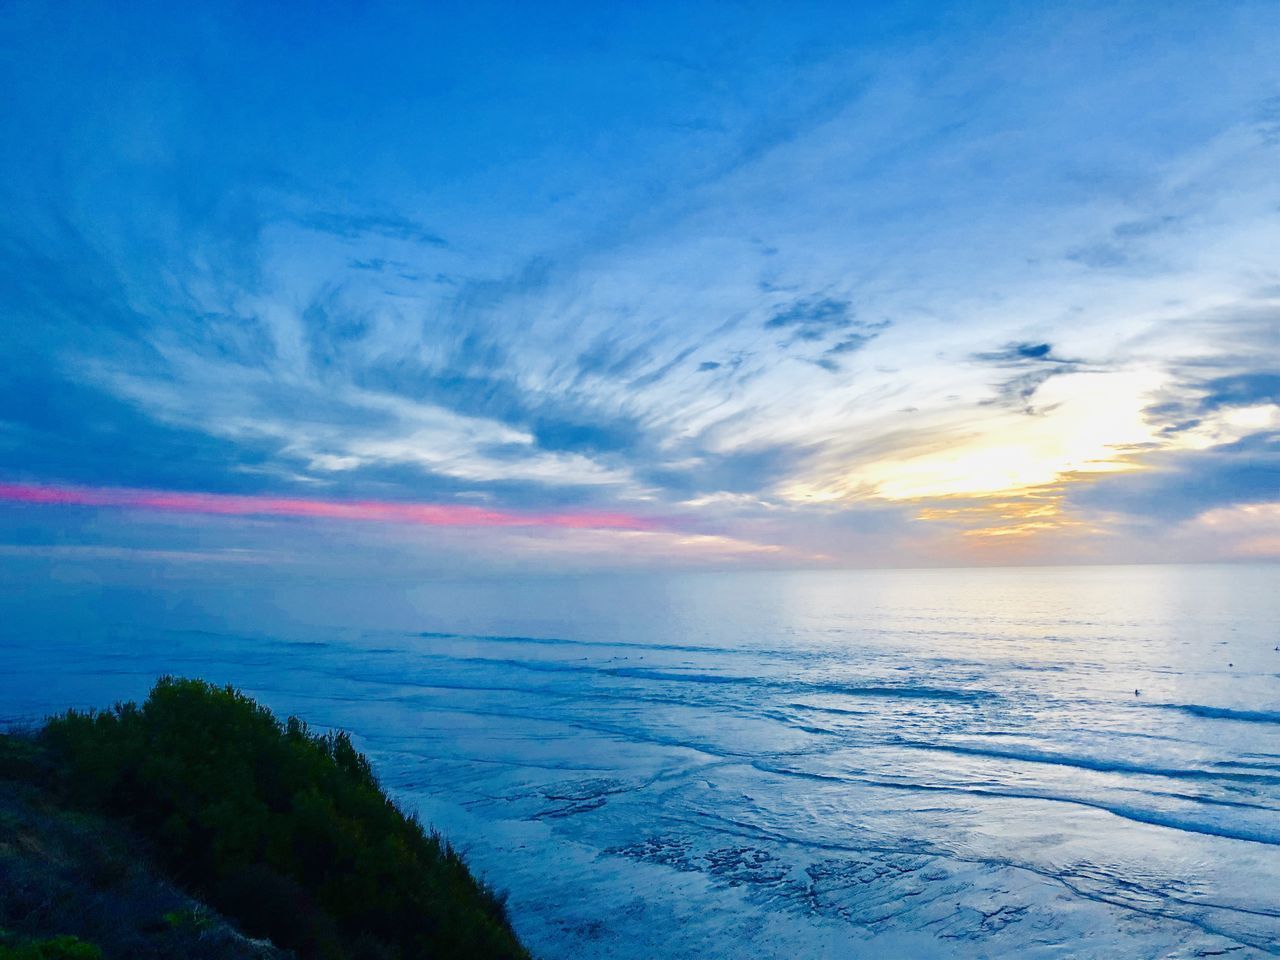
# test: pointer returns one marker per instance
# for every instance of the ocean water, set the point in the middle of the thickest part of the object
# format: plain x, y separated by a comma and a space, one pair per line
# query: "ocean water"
1039, 763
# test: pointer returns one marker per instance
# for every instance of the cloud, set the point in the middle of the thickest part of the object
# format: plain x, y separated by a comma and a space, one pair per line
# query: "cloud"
813, 318
645, 268
370, 511
1038, 364
816, 319
751, 470
1100, 256
1243, 389
352, 226
1267, 118
596, 435
1132, 229
829, 360
1022, 354
1176, 486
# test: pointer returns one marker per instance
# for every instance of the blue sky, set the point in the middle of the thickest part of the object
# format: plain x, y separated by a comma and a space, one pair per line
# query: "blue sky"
766, 284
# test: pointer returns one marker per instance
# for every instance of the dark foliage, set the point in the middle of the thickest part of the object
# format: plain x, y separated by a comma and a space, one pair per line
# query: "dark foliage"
50, 948
283, 830
76, 885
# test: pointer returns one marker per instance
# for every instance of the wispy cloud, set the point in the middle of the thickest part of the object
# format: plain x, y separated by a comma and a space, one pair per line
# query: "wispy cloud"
370, 511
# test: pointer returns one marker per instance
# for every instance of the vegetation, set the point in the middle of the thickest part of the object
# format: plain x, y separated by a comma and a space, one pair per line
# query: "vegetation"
51, 948
283, 830
76, 885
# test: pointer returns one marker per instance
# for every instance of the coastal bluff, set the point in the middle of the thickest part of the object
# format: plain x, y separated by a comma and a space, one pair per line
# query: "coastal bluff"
198, 825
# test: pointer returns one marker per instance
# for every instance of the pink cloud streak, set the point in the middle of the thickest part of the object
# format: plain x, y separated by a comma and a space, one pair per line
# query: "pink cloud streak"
372, 511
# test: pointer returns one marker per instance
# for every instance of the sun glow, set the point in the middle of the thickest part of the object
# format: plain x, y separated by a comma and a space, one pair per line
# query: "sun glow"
1079, 424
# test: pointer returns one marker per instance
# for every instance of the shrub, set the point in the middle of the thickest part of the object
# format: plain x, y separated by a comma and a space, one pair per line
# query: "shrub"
54, 948
284, 830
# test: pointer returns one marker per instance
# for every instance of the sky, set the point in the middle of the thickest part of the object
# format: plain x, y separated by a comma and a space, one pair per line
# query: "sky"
485, 286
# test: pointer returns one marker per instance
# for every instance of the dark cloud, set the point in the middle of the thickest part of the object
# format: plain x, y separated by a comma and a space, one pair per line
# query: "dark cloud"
1133, 229
1022, 354
377, 264
813, 318
351, 226
1035, 362
602, 435
1188, 403
1180, 485
830, 359
1033, 351
1019, 391
850, 344
1267, 120
1100, 256
1244, 389
732, 365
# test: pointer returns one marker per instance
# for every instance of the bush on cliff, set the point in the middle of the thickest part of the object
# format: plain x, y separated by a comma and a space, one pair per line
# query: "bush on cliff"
283, 830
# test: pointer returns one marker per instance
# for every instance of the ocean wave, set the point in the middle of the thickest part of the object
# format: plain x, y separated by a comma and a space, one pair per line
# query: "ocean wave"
1099, 764
610, 644
1158, 818
790, 685
906, 691
1223, 713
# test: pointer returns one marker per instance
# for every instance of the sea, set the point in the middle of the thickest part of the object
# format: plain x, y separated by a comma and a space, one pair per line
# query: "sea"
1071, 762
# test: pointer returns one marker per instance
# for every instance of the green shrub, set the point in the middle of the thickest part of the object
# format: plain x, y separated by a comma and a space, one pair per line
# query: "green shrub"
55, 948
283, 830
196, 919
